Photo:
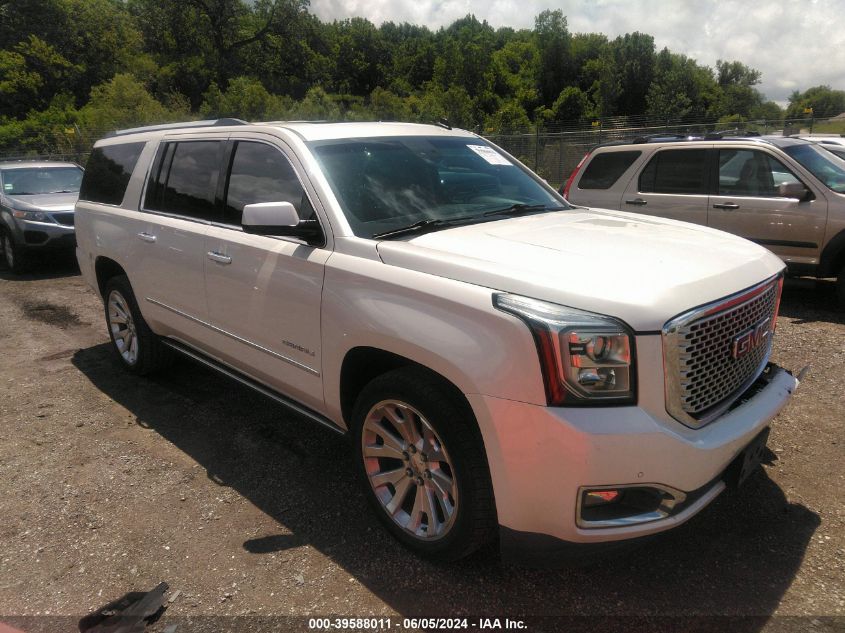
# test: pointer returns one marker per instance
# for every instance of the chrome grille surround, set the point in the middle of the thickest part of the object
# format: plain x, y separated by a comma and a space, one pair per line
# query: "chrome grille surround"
702, 375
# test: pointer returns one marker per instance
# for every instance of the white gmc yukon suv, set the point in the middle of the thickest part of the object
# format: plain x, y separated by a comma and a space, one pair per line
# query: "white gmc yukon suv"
506, 365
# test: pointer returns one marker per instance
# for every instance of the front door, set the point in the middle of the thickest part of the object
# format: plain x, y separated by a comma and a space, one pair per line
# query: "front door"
264, 292
747, 203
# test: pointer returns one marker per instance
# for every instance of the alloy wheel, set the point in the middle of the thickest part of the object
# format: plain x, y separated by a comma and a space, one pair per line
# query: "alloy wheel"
409, 470
122, 327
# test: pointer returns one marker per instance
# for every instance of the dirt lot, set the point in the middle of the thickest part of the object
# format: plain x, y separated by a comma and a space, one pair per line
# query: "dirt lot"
112, 484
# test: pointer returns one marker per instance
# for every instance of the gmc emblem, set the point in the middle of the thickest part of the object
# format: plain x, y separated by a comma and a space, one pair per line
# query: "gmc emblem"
750, 339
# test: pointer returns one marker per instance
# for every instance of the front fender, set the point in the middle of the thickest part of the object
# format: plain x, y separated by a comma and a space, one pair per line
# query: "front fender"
448, 326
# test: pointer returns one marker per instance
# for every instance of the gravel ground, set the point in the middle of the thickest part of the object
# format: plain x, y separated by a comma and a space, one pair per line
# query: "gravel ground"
112, 483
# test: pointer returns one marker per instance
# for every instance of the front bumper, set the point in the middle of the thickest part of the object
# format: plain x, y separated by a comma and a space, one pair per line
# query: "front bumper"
44, 235
540, 456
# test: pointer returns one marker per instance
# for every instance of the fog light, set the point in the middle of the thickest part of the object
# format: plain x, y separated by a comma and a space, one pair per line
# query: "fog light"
594, 498
627, 505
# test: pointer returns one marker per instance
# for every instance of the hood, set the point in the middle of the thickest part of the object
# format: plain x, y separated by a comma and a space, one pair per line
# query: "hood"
44, 201
640, 269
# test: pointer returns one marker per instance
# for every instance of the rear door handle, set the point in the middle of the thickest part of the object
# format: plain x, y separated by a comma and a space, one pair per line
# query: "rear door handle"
728, 206
147, 237
220, 258
638, 202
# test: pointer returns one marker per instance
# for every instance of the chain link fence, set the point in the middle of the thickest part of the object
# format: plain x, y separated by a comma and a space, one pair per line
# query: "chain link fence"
552, 151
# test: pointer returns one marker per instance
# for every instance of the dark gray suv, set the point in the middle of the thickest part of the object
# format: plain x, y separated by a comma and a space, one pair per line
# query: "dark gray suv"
36, 208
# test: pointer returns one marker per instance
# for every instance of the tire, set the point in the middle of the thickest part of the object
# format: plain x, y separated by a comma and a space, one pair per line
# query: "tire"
840, 288
433, 467
14, 256
136, 346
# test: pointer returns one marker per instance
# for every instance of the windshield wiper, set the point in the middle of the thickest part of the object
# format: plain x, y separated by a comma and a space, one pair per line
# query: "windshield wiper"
425, 226
518, 208
64, 191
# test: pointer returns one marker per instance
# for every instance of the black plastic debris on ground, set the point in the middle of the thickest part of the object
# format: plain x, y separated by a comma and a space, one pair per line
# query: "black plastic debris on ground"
129, 614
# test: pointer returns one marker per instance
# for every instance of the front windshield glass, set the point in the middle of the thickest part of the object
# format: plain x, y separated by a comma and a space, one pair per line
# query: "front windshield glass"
825, 166
38, 180
384, 184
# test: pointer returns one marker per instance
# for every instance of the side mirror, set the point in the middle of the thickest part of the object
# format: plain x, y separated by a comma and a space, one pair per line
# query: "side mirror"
279, 218
793, 190
263, 217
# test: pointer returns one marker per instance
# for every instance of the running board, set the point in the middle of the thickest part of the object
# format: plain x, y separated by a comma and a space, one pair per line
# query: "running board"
234, 374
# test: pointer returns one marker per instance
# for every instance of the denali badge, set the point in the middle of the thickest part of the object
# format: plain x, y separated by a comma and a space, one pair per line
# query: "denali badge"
748, 340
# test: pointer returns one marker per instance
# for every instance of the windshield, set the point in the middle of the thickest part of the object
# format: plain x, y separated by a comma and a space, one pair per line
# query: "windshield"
384, 184
825, 166
38, 180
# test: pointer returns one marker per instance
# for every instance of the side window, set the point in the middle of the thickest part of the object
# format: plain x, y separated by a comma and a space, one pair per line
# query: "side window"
108, 172
678, 171
261, 173
186, 179
605, 169
745, 172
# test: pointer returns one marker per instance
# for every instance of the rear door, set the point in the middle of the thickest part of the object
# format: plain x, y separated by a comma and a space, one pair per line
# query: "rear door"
747, 203
673, 184
264, 292
180, 202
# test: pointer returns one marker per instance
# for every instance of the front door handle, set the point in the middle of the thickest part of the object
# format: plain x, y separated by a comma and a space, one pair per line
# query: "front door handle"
728, 206
147, 237
637, 202
220, 258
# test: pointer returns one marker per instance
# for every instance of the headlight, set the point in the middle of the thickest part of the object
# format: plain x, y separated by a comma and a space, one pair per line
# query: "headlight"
37, 216
586, 358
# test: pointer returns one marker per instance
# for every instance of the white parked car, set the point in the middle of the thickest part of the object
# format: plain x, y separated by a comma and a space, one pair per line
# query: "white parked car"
505, 364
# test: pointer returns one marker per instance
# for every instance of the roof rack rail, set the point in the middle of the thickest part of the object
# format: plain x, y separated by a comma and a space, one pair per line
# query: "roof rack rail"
651, 138
177, 126
716, 134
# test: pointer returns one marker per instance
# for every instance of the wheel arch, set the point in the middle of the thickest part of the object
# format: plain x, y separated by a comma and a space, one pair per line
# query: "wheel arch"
105, 268
363, 364
832, 259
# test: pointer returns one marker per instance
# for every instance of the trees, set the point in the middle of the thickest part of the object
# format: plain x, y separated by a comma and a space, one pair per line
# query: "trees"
120, 62
554, 44
823, 100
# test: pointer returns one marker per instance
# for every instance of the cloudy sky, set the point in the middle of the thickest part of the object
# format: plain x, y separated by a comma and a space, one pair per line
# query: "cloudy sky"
795, 44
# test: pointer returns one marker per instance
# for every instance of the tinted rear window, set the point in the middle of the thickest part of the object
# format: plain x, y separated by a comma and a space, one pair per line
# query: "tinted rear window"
108, 171
186, 182
675, 171
605, 169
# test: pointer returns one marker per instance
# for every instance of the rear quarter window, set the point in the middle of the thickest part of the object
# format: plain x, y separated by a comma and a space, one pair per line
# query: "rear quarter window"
108, 172
605, 169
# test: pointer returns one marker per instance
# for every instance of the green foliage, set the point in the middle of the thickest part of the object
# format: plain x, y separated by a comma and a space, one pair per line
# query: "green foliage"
821, 99
571, 106
317, 105
508, 119
555, 46
245, 98
122, 102
93, 65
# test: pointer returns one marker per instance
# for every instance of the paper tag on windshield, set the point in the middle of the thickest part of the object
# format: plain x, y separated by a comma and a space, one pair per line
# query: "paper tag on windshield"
489, 154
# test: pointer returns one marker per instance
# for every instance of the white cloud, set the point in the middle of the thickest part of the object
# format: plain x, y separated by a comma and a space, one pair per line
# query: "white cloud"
795, 45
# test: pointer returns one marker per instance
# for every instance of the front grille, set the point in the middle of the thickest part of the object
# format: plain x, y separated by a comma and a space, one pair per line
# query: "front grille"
703, 374
64, 218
